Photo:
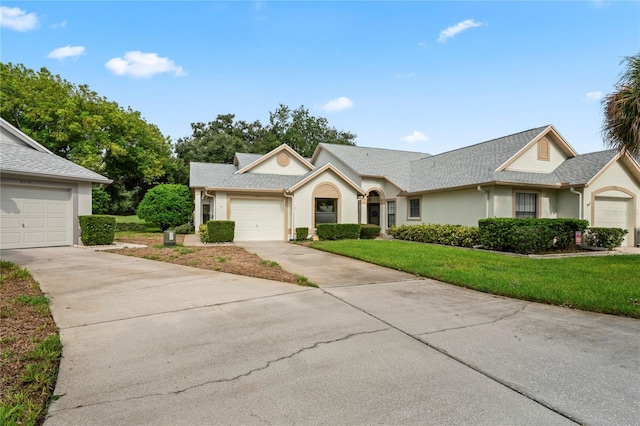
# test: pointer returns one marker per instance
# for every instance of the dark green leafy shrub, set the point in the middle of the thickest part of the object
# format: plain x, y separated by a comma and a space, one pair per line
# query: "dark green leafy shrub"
369, 231
338, 231
302, 234
100, 201
347, 231
186, 228
97, 229
529, 235
609, 238
450, 235
167, 206
220, 231
134, 227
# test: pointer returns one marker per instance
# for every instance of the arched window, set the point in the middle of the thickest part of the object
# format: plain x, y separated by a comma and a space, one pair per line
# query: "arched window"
326, 204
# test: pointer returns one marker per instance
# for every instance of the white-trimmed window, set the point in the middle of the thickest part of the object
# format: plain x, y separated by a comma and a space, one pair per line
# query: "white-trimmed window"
391, 213
526, 205
414, 208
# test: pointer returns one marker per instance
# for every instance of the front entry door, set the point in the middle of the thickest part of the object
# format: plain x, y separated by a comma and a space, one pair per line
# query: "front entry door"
373, 213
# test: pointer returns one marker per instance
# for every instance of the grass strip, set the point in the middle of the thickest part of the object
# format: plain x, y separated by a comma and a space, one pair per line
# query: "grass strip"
605, 284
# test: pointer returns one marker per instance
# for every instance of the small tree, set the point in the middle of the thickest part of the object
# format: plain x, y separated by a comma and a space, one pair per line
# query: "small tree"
167, 206
100, 201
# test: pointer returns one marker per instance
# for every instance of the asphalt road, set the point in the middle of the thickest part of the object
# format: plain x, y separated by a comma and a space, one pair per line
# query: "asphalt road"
153, 343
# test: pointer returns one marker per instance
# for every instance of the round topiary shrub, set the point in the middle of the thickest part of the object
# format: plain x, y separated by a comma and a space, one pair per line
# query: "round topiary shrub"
167, 206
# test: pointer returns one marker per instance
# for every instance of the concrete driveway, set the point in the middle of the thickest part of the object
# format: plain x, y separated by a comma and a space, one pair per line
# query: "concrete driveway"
153, 343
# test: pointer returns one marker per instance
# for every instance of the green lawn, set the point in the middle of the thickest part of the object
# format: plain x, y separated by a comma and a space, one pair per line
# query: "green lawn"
607, 284
129, 219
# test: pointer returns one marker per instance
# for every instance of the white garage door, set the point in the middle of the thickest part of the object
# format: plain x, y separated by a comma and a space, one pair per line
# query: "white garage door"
258, 220
35, 217
611, 212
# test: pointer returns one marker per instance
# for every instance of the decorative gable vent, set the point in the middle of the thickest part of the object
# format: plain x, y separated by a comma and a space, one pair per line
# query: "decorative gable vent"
283, 160
543, 149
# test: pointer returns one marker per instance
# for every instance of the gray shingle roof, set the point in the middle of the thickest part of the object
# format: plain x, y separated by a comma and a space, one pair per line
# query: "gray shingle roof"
392, 164
28, 161
582, 168
211, 175
245, 159
475, 164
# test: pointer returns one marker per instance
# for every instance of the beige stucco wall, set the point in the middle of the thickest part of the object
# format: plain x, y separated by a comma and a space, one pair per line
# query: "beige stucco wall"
616, 181
568, 204
303, 202
528, 161
461, 207
271, 166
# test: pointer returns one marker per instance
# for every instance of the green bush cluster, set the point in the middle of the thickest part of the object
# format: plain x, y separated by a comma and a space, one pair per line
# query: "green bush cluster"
133, 227
187, 228
97, 229
338, 231
167, 206
220, 231
449, 235
204, 233
529, 235
609, 238
302, 234
369, 231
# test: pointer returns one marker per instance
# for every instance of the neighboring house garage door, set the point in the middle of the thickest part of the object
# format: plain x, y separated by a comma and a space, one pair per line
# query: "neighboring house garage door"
612, 212
35, 217
258, 220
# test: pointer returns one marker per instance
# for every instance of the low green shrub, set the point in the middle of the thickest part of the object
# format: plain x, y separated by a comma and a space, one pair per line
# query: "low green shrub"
187, 228
132, 227
608, 238
97, 229
220, 231
204, 233
449, 235
369, 231
302, 234
529, 235
338, 231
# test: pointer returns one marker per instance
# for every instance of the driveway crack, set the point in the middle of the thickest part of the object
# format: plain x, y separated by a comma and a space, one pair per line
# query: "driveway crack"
512, 314
230, 379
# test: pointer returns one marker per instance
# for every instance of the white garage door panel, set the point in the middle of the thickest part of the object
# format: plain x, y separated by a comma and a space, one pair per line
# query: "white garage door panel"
258, 220
35, 217
613, 212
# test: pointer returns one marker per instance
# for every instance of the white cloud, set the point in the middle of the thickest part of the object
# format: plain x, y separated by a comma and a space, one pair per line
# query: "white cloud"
594, 96
456, 29
62, 24
339, 104
416, 136
17, 19
139, 64
66, 52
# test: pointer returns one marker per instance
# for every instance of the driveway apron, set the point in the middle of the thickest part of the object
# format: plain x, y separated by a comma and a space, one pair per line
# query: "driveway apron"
147, 342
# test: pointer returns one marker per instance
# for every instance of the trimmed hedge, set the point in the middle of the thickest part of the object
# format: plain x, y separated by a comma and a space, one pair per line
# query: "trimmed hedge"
338, 231
134, 227
529, 235
220, 231
449, 235
609, 238
187, 228
97, 230
302, 234
369, 231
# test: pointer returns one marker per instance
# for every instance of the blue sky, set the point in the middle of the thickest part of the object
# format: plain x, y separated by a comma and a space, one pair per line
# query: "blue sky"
418, 75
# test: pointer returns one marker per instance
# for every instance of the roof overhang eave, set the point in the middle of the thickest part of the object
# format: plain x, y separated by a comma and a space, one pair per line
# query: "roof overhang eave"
33, 175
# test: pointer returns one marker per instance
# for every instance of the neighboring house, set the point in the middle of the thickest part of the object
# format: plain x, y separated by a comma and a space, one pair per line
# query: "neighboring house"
534, 173
41, 193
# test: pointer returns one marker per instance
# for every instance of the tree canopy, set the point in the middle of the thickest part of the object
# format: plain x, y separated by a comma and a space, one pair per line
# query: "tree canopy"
81, 126
218, 140
621, 129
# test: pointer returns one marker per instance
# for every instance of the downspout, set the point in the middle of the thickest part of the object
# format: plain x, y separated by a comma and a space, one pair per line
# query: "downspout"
571, 189
212, 205
487, 202
291, 215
